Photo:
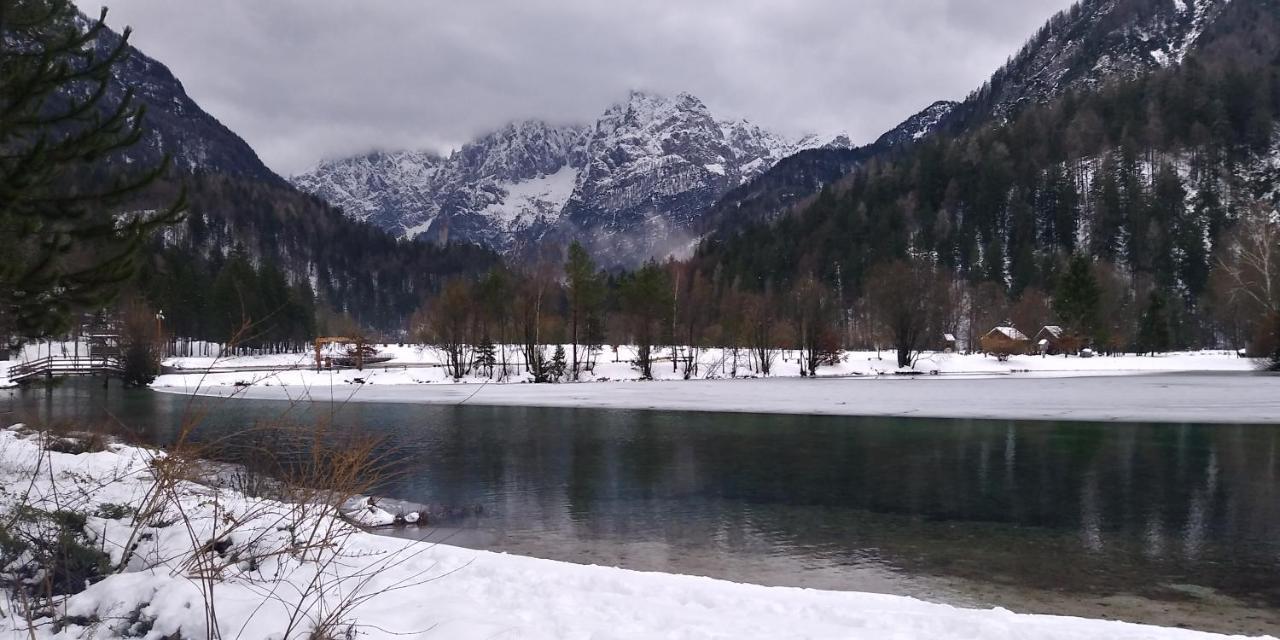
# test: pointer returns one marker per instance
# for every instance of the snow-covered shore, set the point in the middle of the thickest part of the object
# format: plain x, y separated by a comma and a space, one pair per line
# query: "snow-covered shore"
415, 365
1193, 389
413, 588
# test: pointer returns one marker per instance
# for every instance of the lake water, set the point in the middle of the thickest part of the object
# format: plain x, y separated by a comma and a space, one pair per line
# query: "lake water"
1160, 523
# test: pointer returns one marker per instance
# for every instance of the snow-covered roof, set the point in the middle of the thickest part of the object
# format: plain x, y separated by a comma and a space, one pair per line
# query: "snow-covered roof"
949, 337
1009, 332
1053, 330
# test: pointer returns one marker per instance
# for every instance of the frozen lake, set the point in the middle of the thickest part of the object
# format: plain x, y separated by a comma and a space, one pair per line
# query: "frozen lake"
1166, 397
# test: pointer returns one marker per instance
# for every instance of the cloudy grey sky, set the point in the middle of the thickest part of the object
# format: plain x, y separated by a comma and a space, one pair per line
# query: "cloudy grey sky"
303, 80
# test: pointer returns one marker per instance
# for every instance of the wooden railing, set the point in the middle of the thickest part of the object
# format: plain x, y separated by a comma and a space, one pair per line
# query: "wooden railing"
55, 366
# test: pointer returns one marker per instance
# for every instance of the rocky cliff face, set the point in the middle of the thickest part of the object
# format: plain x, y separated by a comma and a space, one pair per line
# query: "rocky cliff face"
655, 164
631, 185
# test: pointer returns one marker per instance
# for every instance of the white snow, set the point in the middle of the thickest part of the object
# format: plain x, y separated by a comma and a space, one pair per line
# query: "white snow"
863, 383
1010, 333
525, 201
416, 230
426, 590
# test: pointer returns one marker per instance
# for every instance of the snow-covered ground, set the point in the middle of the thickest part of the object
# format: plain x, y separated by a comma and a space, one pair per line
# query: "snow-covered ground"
413, 365
970, 386
397, 589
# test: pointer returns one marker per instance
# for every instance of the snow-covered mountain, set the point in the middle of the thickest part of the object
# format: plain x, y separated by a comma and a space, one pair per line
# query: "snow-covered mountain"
177, 127
489, 191
627, 185
1093, 42
918, 125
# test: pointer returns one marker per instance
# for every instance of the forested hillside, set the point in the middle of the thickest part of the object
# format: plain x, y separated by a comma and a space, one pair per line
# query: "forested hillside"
252, 247
1150, 177
267, 254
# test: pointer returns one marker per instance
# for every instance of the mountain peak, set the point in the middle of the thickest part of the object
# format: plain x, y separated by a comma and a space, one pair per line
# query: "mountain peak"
642, 172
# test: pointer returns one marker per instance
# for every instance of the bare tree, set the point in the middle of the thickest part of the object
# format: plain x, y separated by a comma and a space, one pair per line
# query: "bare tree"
1248, 272
813, 306
531, 304
692, 318
448, 323
906, 298
760, 324
986, 305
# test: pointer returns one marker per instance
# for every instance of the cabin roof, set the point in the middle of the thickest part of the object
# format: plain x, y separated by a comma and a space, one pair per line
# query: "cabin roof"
1053, 330
1008, 332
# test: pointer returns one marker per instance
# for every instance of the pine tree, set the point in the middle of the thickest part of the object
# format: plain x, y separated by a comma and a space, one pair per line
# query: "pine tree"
556, 370
234, 308
646, 299
65, 245
1078, 298
1153, 327
486, 356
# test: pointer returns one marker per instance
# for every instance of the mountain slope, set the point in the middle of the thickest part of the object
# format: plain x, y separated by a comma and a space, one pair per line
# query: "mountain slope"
918, 126
1083, 47
1093, 42
1147, 176
798, 178
176, 125
627, 184
237, 204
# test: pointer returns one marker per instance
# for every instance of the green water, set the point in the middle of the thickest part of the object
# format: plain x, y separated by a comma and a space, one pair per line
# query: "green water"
911, 506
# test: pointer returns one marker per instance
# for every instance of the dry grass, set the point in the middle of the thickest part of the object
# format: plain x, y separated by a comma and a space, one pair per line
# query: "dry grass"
301, 473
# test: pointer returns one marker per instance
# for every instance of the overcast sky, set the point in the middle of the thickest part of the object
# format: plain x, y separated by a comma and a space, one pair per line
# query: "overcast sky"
303, 80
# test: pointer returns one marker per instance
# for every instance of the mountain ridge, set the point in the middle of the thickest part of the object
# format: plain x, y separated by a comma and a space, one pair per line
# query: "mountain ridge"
649, 161
1052, 62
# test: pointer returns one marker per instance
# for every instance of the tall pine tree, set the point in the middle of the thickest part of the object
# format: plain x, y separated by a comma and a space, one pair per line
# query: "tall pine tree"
66, 246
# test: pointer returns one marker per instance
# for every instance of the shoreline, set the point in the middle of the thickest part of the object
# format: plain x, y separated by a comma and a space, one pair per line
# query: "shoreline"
1172, 397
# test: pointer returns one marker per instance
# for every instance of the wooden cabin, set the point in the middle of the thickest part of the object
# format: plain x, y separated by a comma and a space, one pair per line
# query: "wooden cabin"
949, 343
1049, 340
1005, 341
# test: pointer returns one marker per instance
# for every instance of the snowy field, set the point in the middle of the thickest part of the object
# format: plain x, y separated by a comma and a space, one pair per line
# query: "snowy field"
413, 365
396, 589
969, 386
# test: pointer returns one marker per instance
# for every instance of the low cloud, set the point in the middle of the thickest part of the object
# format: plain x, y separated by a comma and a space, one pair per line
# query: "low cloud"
303, 80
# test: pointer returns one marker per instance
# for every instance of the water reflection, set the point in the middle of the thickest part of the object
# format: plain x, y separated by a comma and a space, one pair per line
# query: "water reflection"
820, 501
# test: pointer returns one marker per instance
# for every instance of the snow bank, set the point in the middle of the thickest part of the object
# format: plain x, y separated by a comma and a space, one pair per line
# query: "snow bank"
396, 588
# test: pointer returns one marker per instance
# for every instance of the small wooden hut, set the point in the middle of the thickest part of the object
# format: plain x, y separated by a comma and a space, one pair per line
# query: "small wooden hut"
1049, 341
949, 343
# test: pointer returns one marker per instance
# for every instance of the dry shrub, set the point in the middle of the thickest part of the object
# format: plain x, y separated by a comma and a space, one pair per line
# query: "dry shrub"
1002, 346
